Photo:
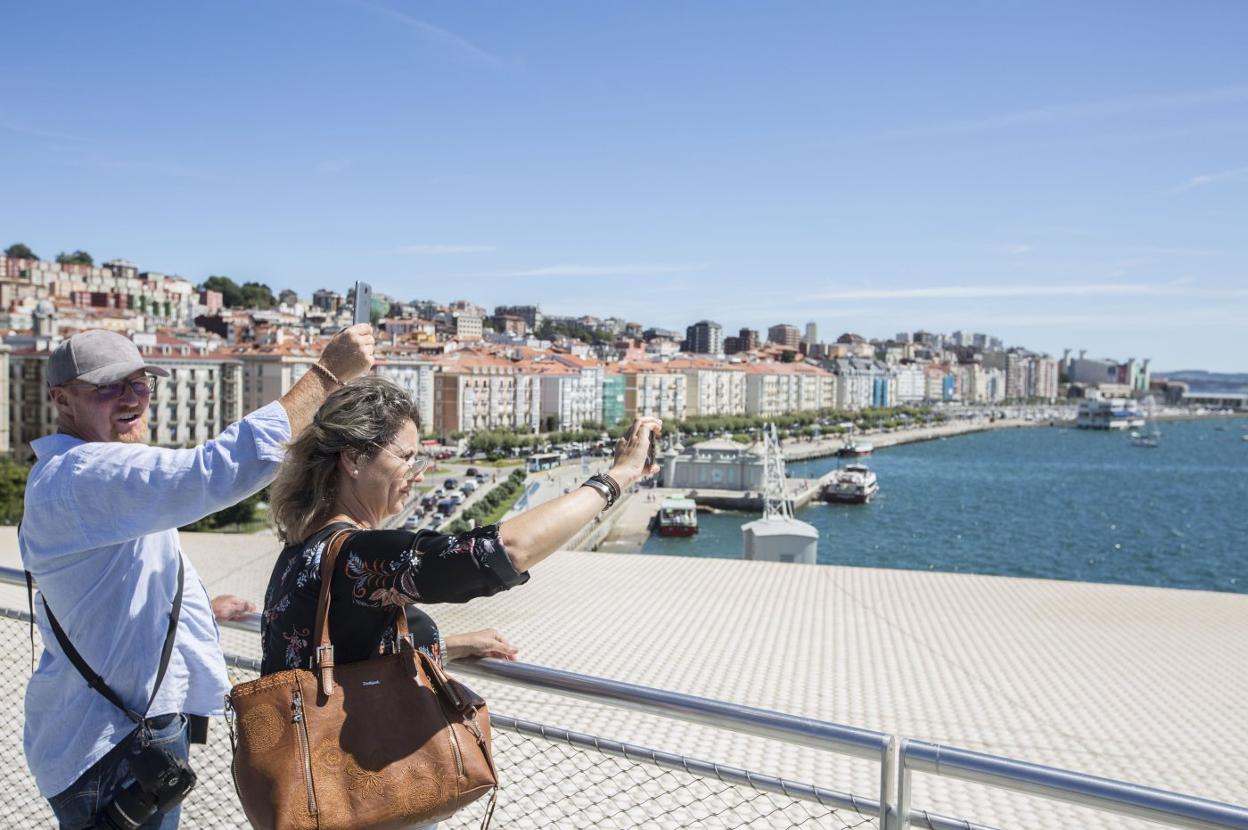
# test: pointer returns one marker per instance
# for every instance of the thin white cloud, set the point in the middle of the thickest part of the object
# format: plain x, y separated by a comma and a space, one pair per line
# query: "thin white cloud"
602, 270
156, 168
983, 292
39, 132
1127, 105
1236, 175
445, 249
436, 35
334, 165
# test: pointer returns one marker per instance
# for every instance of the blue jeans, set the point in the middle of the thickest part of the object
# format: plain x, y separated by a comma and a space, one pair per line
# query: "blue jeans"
76, 807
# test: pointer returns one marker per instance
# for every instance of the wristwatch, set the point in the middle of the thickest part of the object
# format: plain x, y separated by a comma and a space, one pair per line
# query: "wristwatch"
605, 486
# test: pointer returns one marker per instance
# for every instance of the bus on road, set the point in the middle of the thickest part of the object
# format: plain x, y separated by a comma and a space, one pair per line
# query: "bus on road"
543, 461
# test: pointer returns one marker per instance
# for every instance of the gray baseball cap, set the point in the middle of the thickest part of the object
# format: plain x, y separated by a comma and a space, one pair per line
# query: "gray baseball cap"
97, 357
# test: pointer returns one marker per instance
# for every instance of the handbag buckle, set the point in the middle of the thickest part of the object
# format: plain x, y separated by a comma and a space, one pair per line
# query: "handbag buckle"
318, 656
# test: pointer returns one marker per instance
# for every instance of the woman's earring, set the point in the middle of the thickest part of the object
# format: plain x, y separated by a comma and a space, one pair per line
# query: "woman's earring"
355, 472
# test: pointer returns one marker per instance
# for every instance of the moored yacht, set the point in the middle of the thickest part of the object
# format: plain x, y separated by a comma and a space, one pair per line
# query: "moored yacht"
854, 484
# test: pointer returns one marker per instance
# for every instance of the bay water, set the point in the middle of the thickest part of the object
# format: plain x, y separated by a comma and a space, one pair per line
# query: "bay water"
1046, 502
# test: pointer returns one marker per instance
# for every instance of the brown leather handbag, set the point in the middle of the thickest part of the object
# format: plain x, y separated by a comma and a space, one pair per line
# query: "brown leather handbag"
381, 744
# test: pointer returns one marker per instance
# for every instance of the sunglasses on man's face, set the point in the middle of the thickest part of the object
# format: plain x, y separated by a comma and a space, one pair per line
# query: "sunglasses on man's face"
143, 387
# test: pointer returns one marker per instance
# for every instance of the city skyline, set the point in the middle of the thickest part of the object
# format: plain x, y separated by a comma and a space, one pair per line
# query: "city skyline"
1044, 173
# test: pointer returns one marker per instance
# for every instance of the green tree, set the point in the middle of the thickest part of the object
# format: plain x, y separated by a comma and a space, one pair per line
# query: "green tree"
231, 293
258, 295
76, 258
18, 250
239, 514
12, 491
288, 296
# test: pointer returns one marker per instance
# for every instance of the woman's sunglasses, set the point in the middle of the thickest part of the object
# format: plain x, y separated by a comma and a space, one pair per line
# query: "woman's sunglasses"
416, 465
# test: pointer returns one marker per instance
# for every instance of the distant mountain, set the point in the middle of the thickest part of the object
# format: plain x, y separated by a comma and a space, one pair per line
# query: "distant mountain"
1198, 380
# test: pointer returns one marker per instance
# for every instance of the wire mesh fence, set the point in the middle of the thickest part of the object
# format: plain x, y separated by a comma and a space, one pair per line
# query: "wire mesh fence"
550, 778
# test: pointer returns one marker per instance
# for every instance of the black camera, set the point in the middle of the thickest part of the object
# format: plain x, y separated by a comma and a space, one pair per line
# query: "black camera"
161, 781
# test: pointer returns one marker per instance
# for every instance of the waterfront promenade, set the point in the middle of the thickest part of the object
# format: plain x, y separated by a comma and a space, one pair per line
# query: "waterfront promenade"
1143, 684
824, 447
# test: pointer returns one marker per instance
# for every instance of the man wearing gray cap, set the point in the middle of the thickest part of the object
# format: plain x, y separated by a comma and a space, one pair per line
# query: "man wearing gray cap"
99, 535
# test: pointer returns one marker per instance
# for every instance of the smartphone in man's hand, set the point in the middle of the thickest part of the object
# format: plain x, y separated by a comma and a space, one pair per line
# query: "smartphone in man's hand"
363, 303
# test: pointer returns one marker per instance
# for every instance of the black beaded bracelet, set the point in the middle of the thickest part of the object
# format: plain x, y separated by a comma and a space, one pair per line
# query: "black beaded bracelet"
610, 482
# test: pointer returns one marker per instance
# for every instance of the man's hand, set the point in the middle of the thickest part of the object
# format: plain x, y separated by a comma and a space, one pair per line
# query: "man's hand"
350, 353
228, 607
484, 643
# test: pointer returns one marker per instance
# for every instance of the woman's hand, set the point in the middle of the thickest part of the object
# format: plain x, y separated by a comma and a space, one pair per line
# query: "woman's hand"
631, 450
228, 607
484, 643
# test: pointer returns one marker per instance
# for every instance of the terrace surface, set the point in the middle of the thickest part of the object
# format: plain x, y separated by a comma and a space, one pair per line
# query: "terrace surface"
1141, 684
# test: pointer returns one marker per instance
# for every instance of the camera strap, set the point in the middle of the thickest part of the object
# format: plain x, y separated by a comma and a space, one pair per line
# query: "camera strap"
93, 679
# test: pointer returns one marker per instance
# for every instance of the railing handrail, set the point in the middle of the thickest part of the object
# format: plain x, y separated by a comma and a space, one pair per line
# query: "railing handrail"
817, 734
1136, 800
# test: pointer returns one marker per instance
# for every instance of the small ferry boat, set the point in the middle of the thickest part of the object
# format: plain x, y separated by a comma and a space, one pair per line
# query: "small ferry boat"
855, 484
853, 449
678, 517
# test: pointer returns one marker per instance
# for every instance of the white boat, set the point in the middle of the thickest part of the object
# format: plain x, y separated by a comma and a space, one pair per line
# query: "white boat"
854, 484
853, 449
1109, 413
678, 517
1149, 438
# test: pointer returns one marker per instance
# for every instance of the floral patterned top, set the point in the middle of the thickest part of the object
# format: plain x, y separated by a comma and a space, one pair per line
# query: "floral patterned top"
376, 571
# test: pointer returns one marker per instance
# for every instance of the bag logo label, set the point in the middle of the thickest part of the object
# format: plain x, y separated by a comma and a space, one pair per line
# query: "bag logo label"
371, 683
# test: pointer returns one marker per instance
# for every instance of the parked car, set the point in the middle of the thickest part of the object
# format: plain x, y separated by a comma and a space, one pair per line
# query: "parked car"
456, 497
471, 472
412, 522
450, 484
469, 485
428, 501
447, 506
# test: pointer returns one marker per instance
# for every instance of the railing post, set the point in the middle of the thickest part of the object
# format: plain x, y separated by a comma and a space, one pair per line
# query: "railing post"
903, 788
888, 782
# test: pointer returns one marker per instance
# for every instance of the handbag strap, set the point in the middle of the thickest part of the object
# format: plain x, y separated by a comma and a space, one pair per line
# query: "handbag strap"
323, 655
93, 679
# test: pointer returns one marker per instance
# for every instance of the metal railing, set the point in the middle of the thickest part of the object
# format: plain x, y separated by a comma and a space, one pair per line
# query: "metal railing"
656, 776
1134, 800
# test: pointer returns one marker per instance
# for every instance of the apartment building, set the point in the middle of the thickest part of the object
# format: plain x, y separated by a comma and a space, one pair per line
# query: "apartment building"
705, 337
711, 387
785, 335
473, 390
571, 389
777, 388
910, 383
651, 389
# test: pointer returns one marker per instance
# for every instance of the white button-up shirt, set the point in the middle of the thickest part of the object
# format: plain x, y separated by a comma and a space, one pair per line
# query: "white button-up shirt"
100, 536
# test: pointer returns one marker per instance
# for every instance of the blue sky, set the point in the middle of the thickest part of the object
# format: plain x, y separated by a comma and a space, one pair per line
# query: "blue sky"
1058, 174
